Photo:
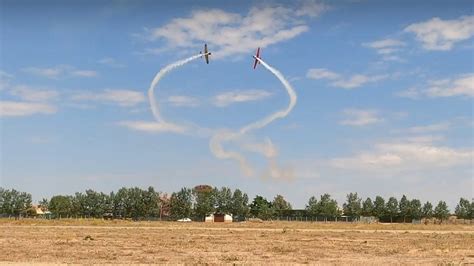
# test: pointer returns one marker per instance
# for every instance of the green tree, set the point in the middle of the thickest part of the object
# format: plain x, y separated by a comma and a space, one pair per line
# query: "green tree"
392, 208
60, 206
427, 210
261, 208
463, 209
223, 200
280, 205
404, 207
312, 207
239, 205
181, 204
367, 208
204, 201
44, 204
352, 207
441, 211
415, 209
327, 206
151, 201
380, 209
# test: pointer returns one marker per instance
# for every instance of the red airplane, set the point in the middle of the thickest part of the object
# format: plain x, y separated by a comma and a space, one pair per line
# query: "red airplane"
257, 55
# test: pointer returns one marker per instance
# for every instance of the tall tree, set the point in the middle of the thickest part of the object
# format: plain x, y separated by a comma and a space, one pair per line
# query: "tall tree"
463, 209
415, 209
427, 210
367, 208
181, 204
404, 207
44, 204
239, 204
392, 208
61, 206
151, 200
352, 207
261, 208
204, 201
280, 205
327, 206
380, 209
223, 200
312, 207
441, 211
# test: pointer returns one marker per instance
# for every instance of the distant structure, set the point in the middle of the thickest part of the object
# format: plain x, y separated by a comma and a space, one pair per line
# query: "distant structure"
219, 218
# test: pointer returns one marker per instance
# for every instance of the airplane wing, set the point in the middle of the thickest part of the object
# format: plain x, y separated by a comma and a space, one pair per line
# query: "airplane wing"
257, 55
206, 53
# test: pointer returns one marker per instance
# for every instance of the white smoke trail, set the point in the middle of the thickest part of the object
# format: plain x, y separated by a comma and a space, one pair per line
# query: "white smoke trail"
268, 150
151, 91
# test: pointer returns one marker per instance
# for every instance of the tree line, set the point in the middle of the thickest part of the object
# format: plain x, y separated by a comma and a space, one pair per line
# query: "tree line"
203, 200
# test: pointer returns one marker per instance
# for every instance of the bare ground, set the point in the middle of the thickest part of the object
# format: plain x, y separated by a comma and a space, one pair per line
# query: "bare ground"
67, 241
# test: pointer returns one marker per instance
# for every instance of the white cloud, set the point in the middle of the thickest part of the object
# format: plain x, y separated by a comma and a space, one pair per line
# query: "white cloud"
28, 93
438, 34
385, 46
15, 108
183, 101
112, 62
232, 97
321, 73
357, 80
152, 127
429, 128
60, 71
462, 85
232, 33
408, 156
5, 79
360, 117
5, 75
339, 81
124, 98
84, 73
411, 93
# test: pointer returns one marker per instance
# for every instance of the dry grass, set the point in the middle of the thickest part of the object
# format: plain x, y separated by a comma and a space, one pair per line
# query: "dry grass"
67, 241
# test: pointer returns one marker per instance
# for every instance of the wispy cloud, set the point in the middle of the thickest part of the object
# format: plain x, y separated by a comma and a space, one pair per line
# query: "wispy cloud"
33, 94
321, 73
152, 127
234, 33
429, 128
60, 71
17, 108
461, 86
360, 117
111, 62
5, 79
438, 34
405, 156
84, 73
124, 98
357, 80
338, 80
232, 97
387, 48
183, 101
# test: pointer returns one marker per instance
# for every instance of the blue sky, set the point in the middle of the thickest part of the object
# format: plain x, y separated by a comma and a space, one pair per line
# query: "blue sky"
384, 97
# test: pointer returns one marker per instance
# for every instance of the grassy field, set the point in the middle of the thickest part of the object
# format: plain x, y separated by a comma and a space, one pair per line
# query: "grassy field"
98, 241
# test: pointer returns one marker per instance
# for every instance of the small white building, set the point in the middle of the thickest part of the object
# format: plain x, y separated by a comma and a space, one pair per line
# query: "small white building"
219, 218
